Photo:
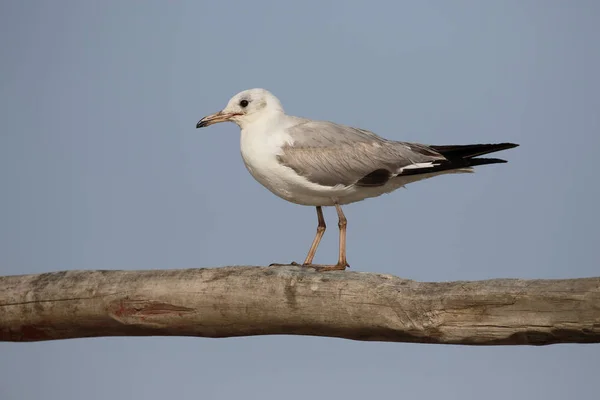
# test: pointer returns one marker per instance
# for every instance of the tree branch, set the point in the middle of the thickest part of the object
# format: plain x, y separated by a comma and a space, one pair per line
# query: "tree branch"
242, 301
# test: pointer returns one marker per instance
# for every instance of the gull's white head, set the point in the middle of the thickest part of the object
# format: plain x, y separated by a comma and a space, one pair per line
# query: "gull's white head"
244, 108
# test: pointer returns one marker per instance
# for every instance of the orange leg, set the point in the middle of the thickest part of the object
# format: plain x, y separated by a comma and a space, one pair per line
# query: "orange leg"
320, 232
342, 263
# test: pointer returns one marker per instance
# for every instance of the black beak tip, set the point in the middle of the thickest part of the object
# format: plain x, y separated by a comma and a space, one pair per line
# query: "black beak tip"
200, 124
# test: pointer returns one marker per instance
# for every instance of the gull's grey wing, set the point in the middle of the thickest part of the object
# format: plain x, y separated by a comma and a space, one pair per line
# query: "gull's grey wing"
330, 154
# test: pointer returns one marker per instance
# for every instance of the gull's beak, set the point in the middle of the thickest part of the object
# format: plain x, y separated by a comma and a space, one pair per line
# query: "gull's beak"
214, 119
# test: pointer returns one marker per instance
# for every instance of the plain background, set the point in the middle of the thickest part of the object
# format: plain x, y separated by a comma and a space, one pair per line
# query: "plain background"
101, 167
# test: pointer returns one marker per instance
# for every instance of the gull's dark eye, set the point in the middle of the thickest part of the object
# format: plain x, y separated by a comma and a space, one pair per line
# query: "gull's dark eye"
244, 103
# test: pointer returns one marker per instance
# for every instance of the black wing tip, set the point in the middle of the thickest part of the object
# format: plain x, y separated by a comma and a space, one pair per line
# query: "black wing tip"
503, 145
469, 151
473, 162
508, 145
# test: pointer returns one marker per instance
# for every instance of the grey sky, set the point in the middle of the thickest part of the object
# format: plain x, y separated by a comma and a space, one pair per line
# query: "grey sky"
101, 167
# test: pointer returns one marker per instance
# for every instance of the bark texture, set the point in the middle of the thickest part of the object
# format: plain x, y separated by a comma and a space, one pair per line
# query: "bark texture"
243, 301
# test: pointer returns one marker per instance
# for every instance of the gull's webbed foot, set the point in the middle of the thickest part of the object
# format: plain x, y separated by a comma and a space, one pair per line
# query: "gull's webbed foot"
322, 267
316, 267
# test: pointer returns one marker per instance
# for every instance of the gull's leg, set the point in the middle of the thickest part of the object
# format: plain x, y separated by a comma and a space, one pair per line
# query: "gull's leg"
320, 231
342, 263
313, 248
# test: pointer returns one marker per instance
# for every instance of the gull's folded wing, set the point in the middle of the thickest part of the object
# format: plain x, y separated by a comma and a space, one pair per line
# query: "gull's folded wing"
330, 154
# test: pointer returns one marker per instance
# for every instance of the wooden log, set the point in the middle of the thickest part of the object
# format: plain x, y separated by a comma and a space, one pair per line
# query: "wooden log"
244, 301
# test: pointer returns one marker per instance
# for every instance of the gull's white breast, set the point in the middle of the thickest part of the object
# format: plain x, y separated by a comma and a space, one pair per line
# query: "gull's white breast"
260, 148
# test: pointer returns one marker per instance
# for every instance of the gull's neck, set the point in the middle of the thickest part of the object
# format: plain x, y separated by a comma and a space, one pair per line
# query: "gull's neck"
263, 120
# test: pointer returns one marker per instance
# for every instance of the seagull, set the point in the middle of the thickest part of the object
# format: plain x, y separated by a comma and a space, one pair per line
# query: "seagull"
322, 163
